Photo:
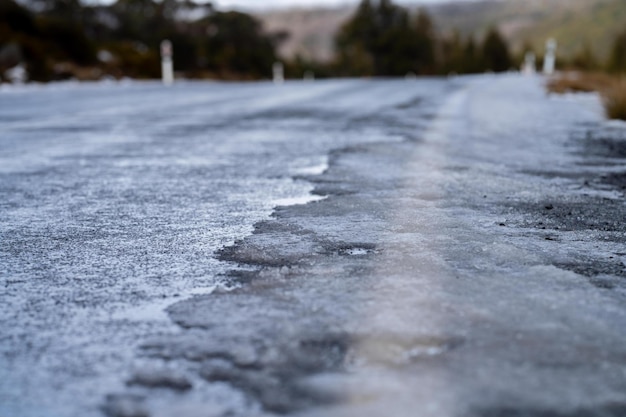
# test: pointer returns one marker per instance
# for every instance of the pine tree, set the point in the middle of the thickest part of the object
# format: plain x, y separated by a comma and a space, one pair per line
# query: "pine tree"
495, 52
381, 39
424, 44
617, 62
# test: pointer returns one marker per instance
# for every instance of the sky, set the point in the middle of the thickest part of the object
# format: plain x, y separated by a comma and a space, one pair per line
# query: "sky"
263, 4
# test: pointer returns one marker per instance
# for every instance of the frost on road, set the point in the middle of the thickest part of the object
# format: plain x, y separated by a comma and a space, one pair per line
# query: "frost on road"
444, 248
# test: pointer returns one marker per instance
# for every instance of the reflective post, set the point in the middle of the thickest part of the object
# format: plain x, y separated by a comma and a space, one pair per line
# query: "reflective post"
167, 66
550, 59
278, 71
17, 74
529, 67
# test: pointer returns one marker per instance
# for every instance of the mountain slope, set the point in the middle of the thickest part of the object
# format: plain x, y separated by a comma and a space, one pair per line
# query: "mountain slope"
574, 23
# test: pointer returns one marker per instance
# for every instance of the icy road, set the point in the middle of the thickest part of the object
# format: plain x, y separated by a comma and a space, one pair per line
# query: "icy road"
424, 248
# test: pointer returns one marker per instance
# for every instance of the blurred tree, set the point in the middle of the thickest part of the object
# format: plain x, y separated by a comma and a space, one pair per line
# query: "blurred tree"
139, 21
354, 42
62, 38
67, 10
134, 61
495, 52
299, 67
67, 40
61, 25
394, 46
425, 40
472, 61
236, 46
381, 39
16, 18
22, 41
585, 59
452, 54
617, 61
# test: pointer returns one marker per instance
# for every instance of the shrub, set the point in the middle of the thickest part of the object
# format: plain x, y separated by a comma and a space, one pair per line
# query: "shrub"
615, 100
611, 88
580, 82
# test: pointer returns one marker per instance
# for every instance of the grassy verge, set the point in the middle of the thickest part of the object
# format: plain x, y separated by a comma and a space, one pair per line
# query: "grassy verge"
611, 88
615, 100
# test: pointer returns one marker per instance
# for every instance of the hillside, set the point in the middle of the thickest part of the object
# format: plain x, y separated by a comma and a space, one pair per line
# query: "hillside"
574, 23
311, 31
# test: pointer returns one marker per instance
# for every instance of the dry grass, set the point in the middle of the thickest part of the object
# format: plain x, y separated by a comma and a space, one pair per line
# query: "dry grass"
615, 100
580, 82
611, 88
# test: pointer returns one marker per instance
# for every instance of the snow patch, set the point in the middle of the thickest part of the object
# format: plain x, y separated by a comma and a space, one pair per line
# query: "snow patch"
313, 170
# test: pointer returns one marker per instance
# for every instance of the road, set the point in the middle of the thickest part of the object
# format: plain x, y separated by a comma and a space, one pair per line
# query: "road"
432, 247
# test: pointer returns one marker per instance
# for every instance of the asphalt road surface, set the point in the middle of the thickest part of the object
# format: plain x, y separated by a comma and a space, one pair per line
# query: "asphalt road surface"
432, 247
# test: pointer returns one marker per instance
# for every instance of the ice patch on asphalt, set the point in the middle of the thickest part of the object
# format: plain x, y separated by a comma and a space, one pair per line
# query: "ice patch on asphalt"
115, 197
312, 166
155, 310
295, 201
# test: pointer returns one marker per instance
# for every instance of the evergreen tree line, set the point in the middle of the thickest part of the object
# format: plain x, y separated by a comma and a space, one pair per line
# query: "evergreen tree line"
383, 39
58, 39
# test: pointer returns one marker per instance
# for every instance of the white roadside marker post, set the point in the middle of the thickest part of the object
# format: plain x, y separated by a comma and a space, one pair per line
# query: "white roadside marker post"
167, 66
529, 67
278, 71
549, 61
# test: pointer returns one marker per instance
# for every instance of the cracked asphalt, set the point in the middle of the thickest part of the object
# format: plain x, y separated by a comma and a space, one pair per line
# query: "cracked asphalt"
439, 247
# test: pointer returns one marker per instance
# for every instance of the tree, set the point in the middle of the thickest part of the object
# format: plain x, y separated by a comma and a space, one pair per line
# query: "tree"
21, 40
67, 10
16, 18
68, 41
585, 59
617, 61
472, 61
452, 54
237, 46
495, 52
425, 40
381, 39
354, 42
61, 38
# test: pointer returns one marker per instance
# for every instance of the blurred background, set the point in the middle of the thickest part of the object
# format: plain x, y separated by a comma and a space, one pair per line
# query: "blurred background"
47, 40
